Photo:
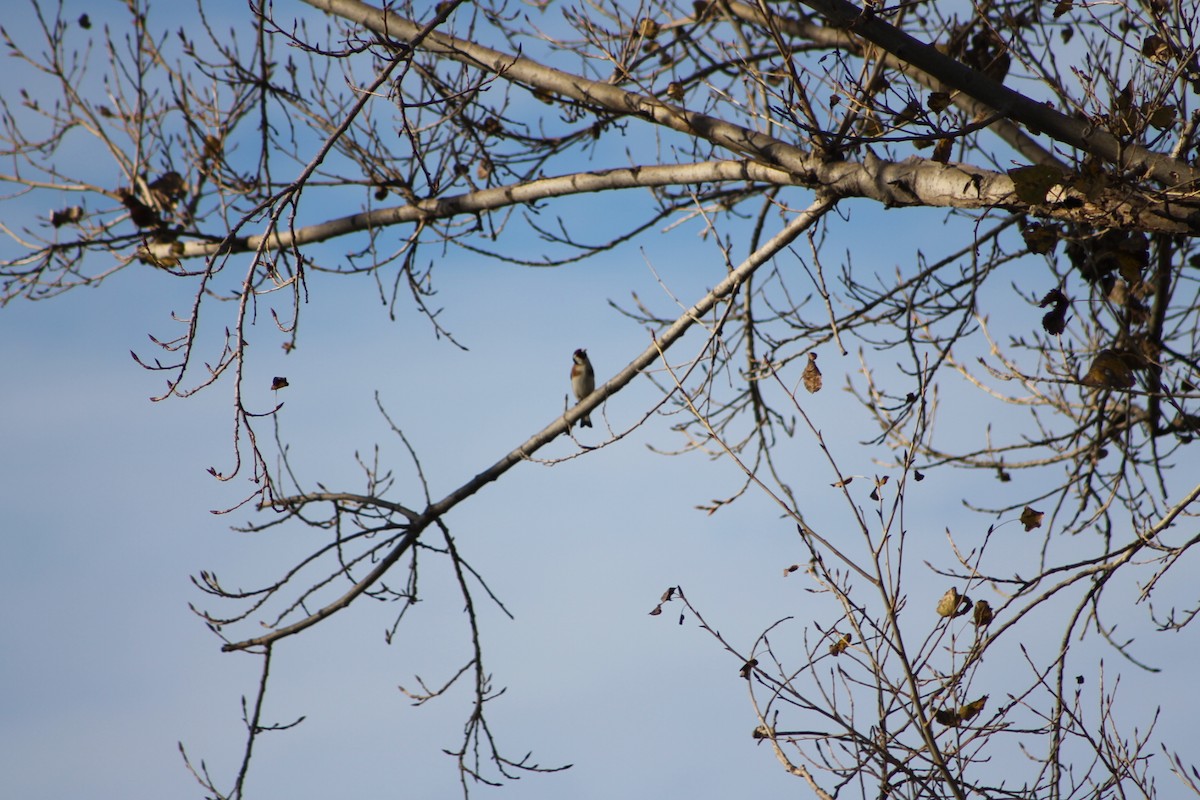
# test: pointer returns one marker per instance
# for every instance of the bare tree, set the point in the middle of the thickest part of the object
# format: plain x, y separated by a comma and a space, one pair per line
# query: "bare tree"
1056, 141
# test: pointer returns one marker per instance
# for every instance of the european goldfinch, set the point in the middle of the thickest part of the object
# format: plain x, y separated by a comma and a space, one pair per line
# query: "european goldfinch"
583, 381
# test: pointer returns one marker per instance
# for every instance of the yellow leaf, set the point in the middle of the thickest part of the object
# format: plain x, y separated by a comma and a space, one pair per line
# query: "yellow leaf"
973, 708
949, 603
839, 647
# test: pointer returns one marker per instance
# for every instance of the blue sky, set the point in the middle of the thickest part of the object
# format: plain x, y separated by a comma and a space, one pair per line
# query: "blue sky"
110, 510
110, 506
111, 516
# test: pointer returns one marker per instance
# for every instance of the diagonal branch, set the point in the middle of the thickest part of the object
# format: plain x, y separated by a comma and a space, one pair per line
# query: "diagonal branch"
519, 69
734, 280
831, 37
1034, 115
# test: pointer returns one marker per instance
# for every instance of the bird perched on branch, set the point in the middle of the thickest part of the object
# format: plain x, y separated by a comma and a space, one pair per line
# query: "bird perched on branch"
583, 381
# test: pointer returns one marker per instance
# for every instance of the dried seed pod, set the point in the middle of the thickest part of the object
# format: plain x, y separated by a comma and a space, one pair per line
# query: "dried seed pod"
812, 375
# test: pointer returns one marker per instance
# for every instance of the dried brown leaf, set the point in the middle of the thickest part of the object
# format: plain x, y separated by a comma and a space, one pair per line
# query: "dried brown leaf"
1109, 370
983, 614
1031, 518
947, 716
812, 375
942, 150
1033, 182
938, 101
1156, 49
1040, 239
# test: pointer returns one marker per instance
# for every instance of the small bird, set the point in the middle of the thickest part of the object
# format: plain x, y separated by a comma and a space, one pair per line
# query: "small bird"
583, 381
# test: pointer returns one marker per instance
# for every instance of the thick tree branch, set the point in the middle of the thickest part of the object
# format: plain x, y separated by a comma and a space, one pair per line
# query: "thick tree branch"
913, 182
1039, 117
1008, 131
891, 184
758, 146
491, 199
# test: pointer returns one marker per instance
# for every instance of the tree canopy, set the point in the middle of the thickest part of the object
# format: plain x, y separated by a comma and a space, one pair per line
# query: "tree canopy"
977, 221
